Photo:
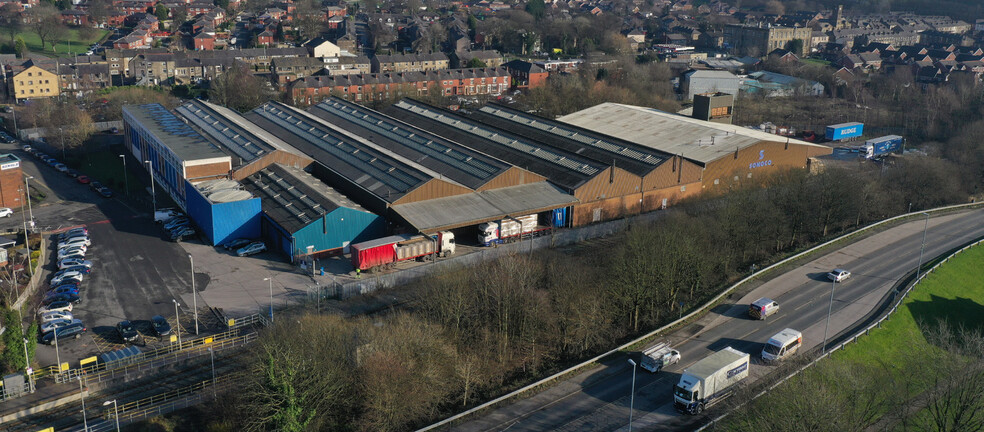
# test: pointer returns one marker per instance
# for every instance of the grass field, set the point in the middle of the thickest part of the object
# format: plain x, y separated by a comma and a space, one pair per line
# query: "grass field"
70, 44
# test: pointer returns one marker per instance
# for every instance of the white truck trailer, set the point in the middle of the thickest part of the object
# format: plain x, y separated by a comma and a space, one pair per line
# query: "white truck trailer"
659, 356
710, 380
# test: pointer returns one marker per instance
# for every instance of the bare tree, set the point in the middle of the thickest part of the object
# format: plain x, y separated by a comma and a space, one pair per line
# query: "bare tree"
10, 16
45, 21
239, 89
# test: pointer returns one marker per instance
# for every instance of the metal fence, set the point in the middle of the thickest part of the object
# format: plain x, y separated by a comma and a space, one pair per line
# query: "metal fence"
703, 308
853, 338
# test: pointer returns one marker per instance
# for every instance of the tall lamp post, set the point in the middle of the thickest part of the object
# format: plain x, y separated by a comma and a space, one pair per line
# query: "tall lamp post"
271, 297
27, 367
194, 293
30, 209
823, 348
211, 352
153, 191
632, 396
116, 413
177, 324
85, 421
126, 179
923, 247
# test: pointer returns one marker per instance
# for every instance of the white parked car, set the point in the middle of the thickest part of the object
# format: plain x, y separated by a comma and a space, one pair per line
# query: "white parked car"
72, 262
6, 212
55, 315
58, 306
66, 276
251, 249
838, 275
73, 252
74, 241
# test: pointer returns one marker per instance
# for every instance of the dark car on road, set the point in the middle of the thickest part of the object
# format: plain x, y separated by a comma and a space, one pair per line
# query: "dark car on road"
127, 332
71, 331
95, 186
160, 325
106, 192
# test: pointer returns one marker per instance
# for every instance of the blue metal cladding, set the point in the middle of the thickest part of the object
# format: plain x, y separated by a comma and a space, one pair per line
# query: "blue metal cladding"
339, 228
237, 219
222, 222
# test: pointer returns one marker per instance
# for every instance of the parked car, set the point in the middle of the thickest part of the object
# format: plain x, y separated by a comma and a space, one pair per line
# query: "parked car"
69, 288
84, 179
61, 167
165, 215
838, 275
55, 315
67, 250
27, 147
51, 325
176, 222
81, 269
160, 325
74, 262
127, 332
65, 277
251, 249
73, 233
75, 241
181, 233
106, 192
6, 212
236, 244
71, 331
69, 297
73, 173
95, 185
55, 306
73, 252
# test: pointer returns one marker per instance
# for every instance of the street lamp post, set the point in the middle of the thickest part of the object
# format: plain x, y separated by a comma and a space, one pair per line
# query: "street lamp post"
61, 135
271, 297
57, 355
194, 293
632, 396
923, 247
116, 413
211, 352
126, 179
30, 209
153, 191
85, 421
27, 368
177, 324
823, 348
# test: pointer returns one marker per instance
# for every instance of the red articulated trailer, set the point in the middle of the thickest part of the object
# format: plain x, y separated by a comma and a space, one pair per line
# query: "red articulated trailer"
387, 251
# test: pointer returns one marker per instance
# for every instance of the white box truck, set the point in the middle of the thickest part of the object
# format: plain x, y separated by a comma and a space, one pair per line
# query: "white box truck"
659, 356
710, 380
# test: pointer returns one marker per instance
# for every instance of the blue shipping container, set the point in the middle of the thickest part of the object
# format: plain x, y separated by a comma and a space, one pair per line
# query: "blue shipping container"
844, 130
882, 146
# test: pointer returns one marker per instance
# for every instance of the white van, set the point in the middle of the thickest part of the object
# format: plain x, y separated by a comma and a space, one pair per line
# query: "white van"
762, 308
782, 345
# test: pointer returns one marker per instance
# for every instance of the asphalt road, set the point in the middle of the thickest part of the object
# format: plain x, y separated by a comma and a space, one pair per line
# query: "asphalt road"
598, 400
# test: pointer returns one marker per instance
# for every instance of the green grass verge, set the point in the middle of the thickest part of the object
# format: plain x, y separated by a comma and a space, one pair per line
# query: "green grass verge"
69, 44
107, 168
816, 61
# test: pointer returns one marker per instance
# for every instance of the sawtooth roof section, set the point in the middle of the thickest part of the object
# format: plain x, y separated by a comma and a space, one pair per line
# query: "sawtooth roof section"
448, 158
293, 198
475, 208
563, 168
690, 138
375, 171
231, 131
637, 159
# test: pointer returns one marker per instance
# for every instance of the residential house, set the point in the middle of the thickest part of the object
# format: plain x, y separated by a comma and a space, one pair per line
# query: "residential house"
205, 40
525, 74
321, 47
410, 62
348, 65
381, 86
31, 80
75, 17
287, 69
266, 37
490, 58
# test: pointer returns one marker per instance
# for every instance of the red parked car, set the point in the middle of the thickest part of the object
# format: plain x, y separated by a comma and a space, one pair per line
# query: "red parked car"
83, 179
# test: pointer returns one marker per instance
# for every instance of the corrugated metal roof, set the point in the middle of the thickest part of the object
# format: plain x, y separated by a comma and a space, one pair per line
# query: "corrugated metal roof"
186, 143
292, 198
688, 137
450, 159
563, 168
634, 158
231, 131
376, 171
475, 208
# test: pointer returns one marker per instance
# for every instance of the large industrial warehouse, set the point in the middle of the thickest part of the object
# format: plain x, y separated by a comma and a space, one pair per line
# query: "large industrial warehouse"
727, 153
312, 182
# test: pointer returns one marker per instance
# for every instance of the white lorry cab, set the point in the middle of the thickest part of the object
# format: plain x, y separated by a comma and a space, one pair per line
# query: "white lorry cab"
659, 356
709, 380
782, 345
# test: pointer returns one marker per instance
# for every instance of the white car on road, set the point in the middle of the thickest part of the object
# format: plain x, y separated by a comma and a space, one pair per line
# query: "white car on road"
838, 275
6, 212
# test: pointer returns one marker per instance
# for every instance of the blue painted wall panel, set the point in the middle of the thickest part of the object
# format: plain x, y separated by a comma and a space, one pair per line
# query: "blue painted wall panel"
199, 209
341, 226
237, 219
